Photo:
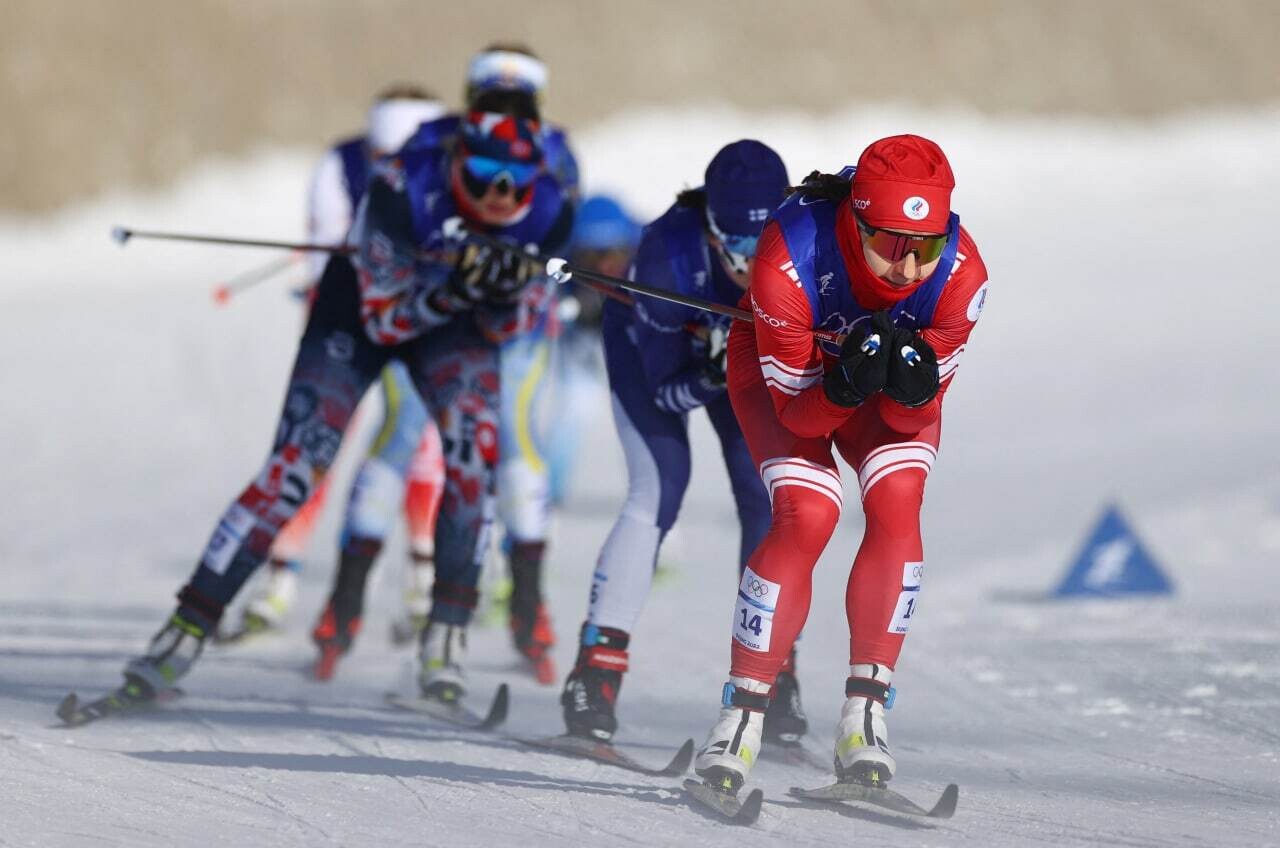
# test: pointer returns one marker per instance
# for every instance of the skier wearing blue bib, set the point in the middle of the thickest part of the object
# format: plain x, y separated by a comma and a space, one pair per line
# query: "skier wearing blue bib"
665, 360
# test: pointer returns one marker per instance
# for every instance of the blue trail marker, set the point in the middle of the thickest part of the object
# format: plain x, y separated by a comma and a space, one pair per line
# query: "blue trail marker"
1113, 564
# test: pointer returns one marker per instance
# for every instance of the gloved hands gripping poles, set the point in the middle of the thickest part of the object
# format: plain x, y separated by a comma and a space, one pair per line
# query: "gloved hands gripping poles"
891, 359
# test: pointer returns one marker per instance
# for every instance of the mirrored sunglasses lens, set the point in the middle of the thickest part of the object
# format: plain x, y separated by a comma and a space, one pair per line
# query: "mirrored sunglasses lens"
743, 245
895, 247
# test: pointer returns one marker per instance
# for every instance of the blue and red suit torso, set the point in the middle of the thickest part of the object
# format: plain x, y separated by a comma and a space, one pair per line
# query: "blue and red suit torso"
671, 338
809, 230
409, 201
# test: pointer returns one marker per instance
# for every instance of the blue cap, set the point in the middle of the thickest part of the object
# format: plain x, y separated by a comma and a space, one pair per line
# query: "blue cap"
602, 224
745, 182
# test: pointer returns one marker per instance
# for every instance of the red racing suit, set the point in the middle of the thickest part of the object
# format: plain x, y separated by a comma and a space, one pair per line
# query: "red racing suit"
775, 372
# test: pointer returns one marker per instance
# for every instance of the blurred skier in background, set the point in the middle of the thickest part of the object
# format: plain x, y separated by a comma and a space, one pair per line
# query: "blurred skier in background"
875, 255
523, 489
664, 361
443, 308
337, 185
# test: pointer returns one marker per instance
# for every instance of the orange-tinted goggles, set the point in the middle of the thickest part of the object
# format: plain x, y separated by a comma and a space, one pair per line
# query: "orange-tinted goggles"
894, 246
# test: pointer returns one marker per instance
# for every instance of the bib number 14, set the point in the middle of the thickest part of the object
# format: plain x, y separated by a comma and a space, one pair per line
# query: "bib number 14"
753, 615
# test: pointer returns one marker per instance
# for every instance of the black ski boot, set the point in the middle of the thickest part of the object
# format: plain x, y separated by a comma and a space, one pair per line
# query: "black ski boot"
785, 720
591, 690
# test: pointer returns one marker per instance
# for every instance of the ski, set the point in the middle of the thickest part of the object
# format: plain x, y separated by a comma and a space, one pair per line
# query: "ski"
454, 712
883, 798
130, 697
603, 752
724, 804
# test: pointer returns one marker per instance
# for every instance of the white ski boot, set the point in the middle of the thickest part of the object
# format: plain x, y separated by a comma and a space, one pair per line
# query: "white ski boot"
734, 742
170, 655
419, 577
443, 649
273, 601
862, 740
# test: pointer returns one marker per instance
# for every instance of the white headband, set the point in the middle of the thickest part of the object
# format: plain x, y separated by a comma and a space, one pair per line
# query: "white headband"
391, 122
505, 68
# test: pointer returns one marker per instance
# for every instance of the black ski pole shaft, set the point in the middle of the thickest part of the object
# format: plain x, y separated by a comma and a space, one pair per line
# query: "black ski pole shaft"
123, 234
561, 270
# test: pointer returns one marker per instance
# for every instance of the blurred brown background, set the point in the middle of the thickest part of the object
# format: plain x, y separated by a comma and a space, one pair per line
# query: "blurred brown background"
129, 92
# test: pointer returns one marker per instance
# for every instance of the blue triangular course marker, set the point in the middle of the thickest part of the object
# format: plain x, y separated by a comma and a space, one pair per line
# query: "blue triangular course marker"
1113, 563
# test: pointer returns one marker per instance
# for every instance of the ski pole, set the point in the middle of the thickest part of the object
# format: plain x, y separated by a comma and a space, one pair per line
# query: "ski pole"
562, 271
223, 292
123, 234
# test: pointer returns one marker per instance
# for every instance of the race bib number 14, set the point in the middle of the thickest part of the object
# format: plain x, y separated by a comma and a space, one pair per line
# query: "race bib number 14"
912, 574
753, 616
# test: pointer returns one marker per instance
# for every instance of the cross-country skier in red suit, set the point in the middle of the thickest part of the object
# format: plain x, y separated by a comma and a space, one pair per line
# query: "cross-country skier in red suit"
876, 255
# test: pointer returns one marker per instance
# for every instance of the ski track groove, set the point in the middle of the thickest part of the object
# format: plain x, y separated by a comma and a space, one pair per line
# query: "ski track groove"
422, 802
222, 790
283, 807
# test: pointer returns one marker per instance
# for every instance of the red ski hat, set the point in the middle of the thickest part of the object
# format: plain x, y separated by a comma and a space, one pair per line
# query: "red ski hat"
903, 182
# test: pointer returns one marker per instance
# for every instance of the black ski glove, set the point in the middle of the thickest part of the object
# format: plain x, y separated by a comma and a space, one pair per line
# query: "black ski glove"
913, 369
863, 368
488, 273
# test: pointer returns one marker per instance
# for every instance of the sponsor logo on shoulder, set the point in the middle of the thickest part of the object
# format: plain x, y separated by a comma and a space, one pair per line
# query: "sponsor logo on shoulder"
806, 200
862, 203
978, 301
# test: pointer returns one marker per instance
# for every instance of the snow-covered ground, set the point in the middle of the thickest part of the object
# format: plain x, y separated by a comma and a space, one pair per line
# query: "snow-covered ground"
1124, 354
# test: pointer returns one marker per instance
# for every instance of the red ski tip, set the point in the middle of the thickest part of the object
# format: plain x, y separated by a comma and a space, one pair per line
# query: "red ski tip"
327, 663
544, 670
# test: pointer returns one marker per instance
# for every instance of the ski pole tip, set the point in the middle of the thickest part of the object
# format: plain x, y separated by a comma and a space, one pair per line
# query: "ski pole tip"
120, 234
557, 270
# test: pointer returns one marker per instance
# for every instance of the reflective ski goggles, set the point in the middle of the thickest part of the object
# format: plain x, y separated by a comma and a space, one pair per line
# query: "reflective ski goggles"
735, 249
479, 173
894, 246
